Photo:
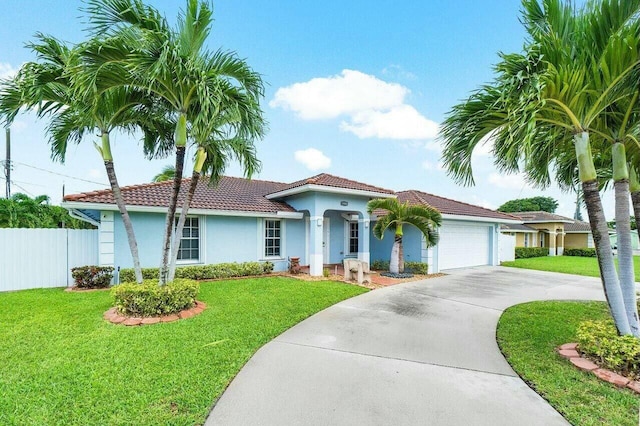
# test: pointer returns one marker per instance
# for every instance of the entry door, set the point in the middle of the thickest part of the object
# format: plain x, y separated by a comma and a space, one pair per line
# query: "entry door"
325, 240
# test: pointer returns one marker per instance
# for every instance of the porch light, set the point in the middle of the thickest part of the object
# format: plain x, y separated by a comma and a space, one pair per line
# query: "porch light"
319, 221
366, 223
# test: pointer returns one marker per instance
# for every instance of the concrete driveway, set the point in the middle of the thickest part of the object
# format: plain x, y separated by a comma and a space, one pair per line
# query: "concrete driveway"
421, 353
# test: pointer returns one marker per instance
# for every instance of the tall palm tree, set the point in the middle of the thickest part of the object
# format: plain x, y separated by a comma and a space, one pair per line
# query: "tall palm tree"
425, 218
545, 104
49, 87
173, 65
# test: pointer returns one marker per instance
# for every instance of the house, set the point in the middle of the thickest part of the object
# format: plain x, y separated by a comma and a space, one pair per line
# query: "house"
555, 232
322, 219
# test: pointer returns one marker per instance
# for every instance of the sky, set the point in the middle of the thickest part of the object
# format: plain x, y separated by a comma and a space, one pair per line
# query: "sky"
354, 88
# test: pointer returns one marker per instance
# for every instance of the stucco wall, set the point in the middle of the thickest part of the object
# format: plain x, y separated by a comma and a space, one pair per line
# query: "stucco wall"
411, 244
575, 240
223, 239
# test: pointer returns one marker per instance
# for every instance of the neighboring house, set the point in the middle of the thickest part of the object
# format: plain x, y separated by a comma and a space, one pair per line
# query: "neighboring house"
322, 220
552, 231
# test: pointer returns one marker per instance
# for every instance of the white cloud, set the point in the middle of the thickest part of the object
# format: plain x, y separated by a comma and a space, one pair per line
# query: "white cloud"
373, 108
429, 165
515, 181
483, 203
484, 147
96, 174
313, 159
394, 70
401, 122
6, 70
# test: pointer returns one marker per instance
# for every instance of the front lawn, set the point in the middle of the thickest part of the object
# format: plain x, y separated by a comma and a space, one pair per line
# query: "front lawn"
587, 266
528, 335
61, 363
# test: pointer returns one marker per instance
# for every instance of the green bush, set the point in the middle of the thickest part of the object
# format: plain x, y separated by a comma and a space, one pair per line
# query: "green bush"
599, 341
149, 299
92, 276
527, 252
380, 265
416, 268
204, 272
582, 252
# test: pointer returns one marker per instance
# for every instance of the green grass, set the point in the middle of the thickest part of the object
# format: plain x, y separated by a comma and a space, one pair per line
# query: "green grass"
528, 335
587, 266
61, 363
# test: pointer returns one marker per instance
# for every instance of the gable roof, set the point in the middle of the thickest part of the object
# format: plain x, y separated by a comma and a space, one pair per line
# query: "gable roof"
540, 216
448, 206
577, 226
328, 181
517, 227
232, 194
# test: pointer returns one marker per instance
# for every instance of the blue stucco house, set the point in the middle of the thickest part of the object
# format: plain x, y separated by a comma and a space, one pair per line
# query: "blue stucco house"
322, 220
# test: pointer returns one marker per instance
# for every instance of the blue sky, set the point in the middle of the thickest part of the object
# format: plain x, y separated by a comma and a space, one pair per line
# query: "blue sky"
355, 89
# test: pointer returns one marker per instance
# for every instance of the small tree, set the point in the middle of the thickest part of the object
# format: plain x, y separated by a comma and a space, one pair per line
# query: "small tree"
545, 204
424, 217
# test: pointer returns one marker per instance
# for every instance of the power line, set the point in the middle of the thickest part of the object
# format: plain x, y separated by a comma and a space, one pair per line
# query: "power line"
59, 174
23, 182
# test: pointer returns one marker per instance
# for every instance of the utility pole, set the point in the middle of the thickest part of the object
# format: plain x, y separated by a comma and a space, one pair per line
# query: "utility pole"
7, 163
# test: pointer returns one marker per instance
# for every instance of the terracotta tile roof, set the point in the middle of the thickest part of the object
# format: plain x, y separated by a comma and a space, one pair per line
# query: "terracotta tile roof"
540, 216
325, 179
577, 226
449, 206
235, 194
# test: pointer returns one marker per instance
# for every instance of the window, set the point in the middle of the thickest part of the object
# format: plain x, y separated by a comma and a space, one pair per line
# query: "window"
527, 240
541, 240
271, 238
190, 240
353, 237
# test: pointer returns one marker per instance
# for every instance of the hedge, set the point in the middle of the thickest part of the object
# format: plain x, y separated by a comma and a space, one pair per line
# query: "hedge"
204, 272
92, 276
582, 252
527, 252
420, 268
149, 299
599, 340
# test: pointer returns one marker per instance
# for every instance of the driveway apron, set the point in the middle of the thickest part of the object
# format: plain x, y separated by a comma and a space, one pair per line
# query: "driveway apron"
420, 353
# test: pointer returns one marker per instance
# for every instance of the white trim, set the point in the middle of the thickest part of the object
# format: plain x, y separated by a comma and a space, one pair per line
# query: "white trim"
326, 245
472, 219
507, 231
282, 255
198, 212
307, 237
347, 239
577, 232
331, 189
548, 221
201, 238
77, 214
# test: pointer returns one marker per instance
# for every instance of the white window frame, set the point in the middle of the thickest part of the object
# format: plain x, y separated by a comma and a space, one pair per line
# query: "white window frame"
350, 237
200, 240
280, 238
527, 237
542, 240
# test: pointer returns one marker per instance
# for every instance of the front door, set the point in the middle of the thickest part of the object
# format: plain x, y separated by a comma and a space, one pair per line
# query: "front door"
326, 233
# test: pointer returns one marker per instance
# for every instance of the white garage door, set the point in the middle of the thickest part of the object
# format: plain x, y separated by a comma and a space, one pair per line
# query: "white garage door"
463, 245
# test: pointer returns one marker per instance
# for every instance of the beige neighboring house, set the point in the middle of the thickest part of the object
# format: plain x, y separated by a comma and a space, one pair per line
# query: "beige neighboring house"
555, 232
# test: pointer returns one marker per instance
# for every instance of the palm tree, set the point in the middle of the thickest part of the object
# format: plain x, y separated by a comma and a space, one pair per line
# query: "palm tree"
425, 218
22, 211
167, 173
545, 104
173, 65
50, 87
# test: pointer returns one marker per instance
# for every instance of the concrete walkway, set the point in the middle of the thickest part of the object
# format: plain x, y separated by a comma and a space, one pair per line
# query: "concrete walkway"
421, 353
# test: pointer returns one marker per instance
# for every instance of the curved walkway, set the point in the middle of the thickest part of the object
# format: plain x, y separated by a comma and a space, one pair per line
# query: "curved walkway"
420, 353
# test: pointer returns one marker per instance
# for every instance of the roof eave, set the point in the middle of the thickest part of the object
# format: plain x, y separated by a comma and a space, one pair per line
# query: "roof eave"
200, 212
329, 189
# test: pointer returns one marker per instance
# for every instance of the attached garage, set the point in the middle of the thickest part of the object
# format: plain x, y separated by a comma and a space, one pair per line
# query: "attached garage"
464, 245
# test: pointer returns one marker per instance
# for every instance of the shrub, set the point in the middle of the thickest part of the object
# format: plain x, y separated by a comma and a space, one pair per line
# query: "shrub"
599, 341
527, 252
92, 276
582, 252
149, 299
380, 265
325, 272
419, 268
204, 272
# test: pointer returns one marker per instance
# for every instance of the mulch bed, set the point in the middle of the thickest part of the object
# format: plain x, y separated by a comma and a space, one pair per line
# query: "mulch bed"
114, 317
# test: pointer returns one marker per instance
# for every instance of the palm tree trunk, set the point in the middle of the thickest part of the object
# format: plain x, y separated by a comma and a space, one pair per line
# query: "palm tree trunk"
400, 256
394, 265
634, 187
107, 157
623, 231
195, 177
600, 233
181, 139
126, 219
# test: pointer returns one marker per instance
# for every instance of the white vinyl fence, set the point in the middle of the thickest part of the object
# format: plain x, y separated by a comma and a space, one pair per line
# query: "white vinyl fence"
36, 258
507, 247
